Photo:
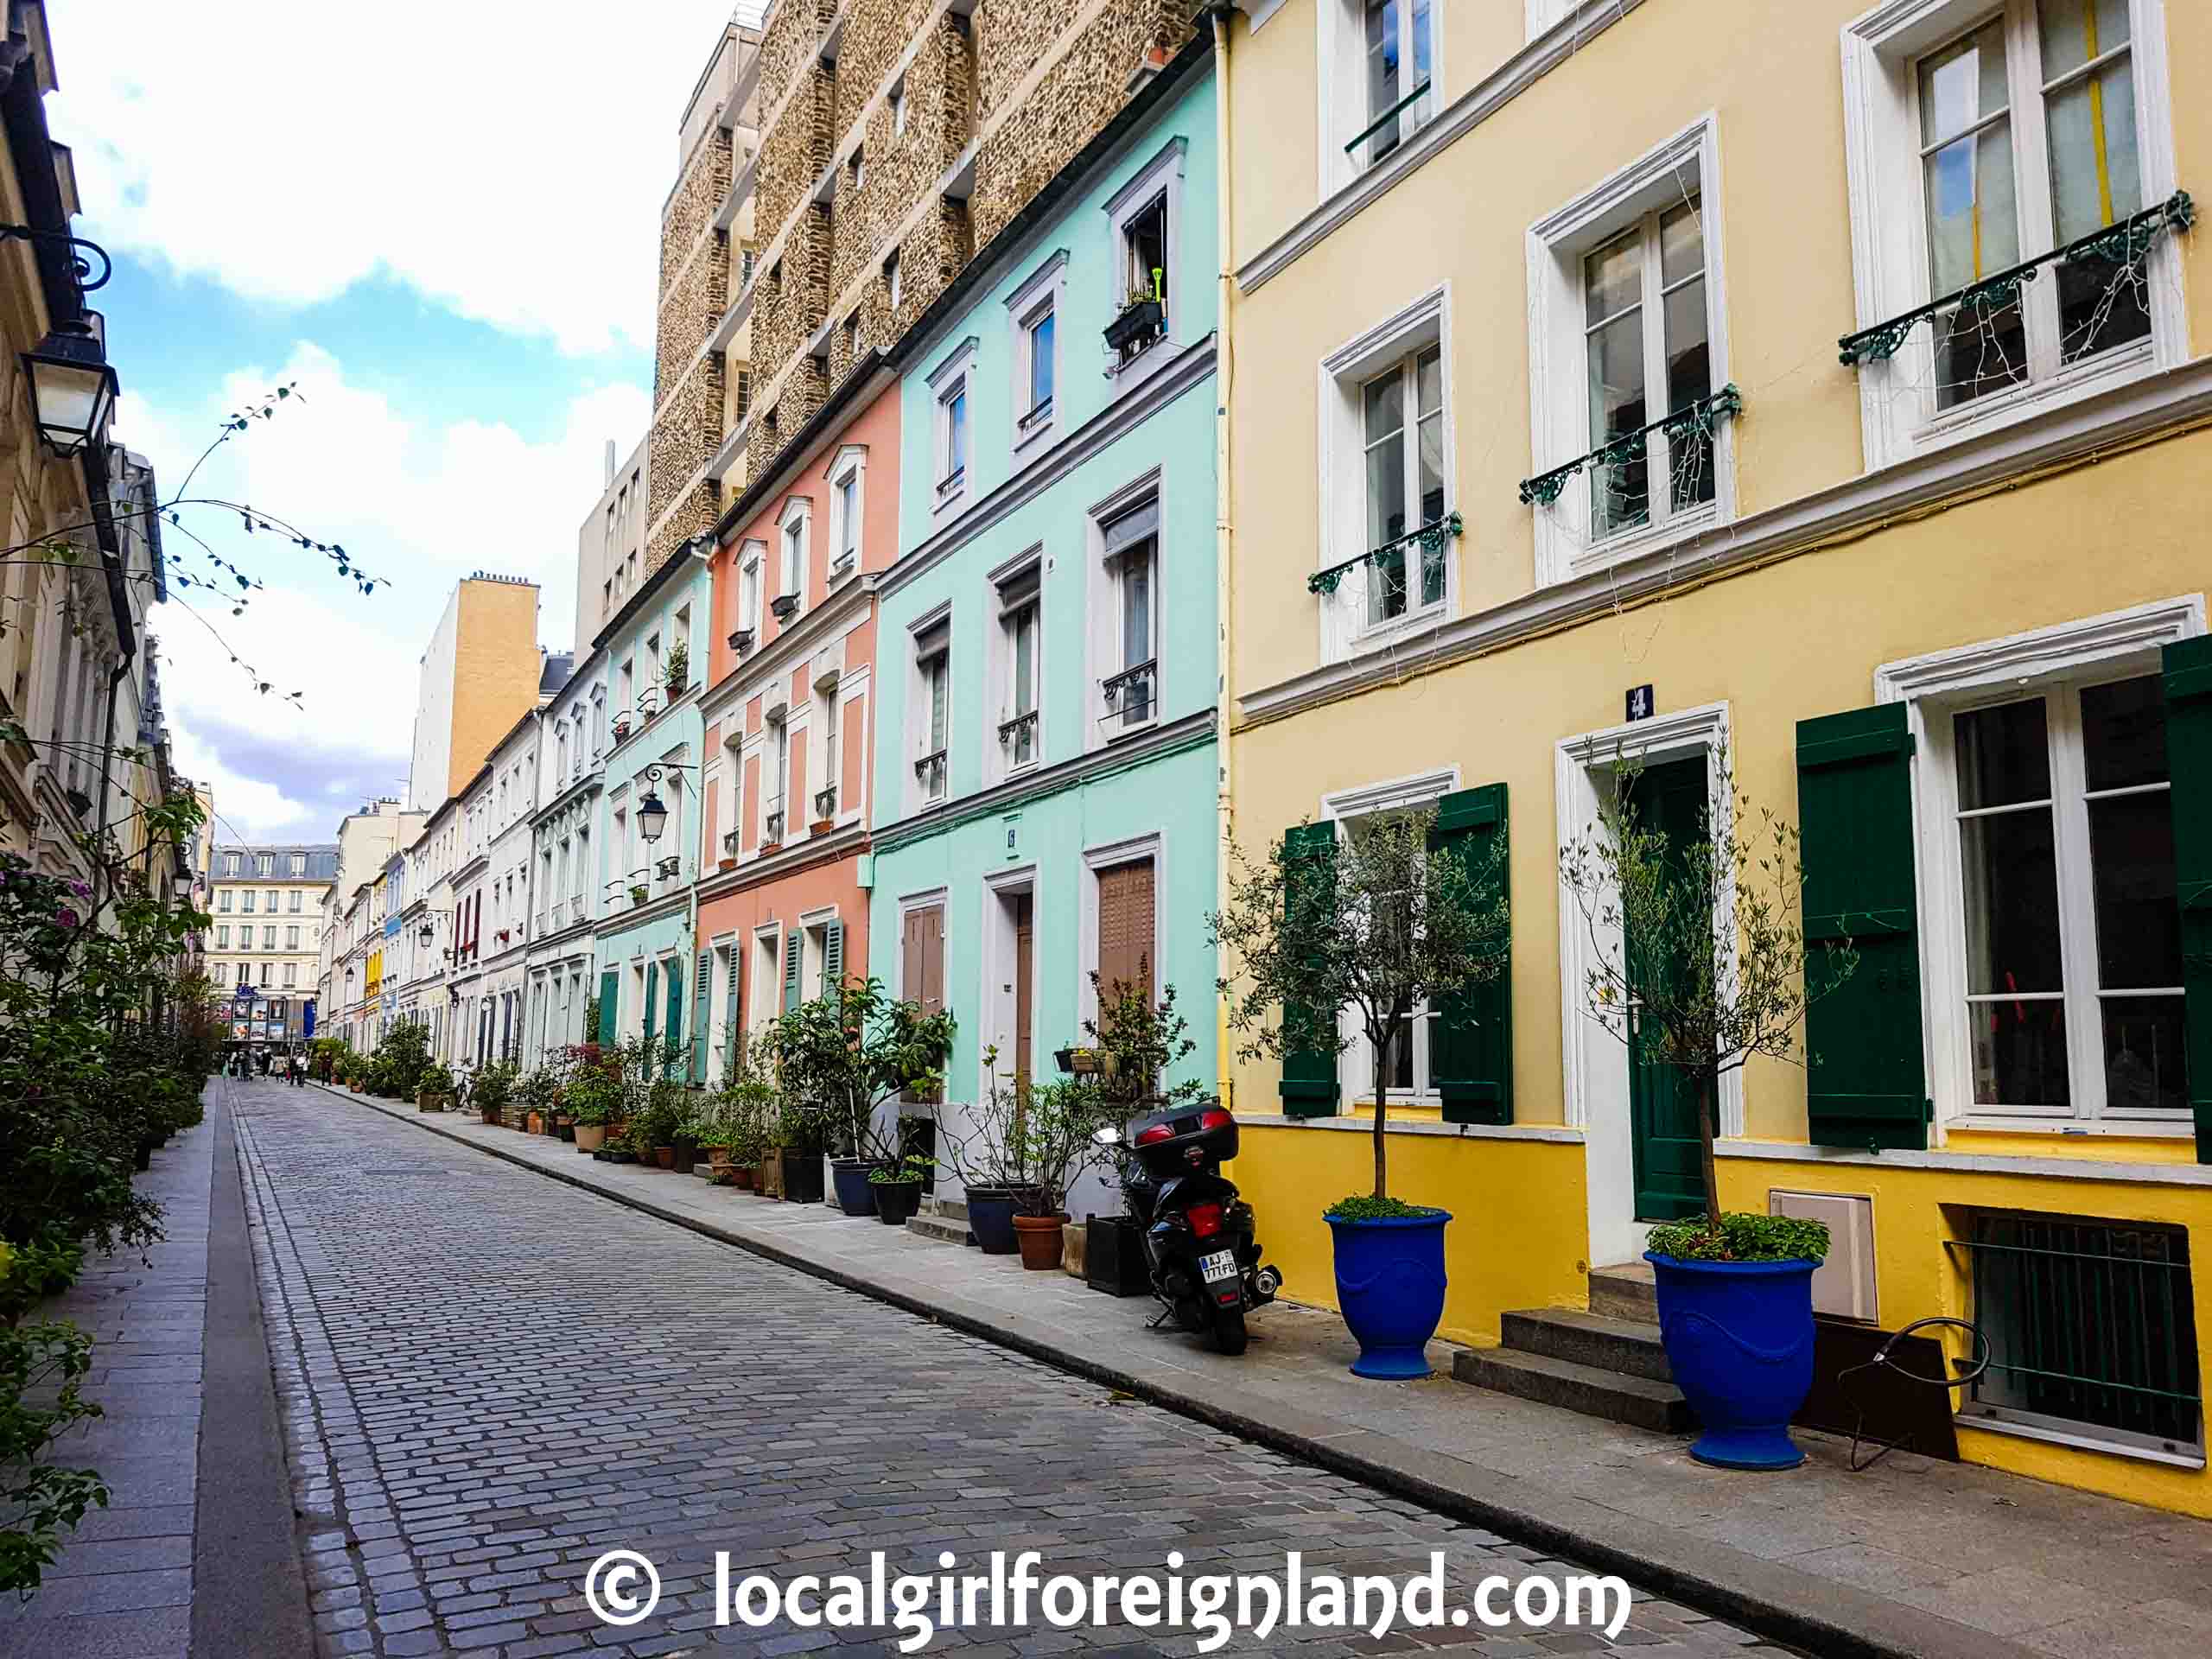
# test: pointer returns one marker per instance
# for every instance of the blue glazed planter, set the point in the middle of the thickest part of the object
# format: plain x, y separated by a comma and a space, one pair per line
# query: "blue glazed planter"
990, 1218
856, 1194
1738, 1337
1391, 1287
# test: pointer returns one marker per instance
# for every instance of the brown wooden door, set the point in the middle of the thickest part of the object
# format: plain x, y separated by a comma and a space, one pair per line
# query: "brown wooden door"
1024, 935
1125, 941
922, 958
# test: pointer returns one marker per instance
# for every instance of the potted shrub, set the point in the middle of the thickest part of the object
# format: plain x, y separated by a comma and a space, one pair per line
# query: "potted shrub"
640, 893
1060, 1117
898, 1189
593, 1094
992, 1159
622, 726
679, 668
845, 1055
434, 1089
1394, 916
1735, 1290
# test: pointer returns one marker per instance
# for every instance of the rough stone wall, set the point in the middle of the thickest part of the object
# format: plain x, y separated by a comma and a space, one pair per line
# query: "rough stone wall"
1078, 95
691, 207
690, 311
789, 41
687, 430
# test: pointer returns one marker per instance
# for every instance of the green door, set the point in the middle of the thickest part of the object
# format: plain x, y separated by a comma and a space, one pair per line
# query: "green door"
1662, 1106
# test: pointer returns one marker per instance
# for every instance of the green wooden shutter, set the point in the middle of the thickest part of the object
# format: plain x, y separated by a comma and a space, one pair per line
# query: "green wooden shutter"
833, 957
732, 1019
699, 1017
1866, 1082
1309, 1079
652, 1002
2187, 683
792, 947
1471, 1036
610, 991
674, 1033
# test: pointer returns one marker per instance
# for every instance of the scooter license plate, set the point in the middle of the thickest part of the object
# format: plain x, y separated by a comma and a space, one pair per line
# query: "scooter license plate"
1220, 1265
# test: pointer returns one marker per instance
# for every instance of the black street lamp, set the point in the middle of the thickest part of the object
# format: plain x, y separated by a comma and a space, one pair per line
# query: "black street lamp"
72, 388
652, 816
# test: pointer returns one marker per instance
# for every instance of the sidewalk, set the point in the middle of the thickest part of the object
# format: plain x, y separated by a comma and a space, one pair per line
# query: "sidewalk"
1912, 1557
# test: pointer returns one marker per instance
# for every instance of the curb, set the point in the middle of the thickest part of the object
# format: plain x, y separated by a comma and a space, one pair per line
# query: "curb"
1819, 1616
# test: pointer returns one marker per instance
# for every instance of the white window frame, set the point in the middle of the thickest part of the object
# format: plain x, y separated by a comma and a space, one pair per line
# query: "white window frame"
1107, 641
848, 470
952, 378
1340, 83
925, 646
752, 584
1162, 175
1037, 297
775, 772
1356, 1065
1686, 165
1342, 476
1889, 231
2118, 644
1019, 582
794, 549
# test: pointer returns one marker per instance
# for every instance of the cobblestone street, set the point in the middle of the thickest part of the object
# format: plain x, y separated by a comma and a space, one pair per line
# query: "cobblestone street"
489, 1379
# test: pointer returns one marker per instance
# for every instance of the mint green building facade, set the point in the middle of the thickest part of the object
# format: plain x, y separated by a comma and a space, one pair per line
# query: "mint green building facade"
1046, 744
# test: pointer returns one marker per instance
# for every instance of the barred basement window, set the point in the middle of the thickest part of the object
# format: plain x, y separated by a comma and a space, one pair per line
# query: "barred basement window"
2092, 1332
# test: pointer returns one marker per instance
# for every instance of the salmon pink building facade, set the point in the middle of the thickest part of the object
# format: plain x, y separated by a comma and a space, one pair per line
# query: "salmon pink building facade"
790, 714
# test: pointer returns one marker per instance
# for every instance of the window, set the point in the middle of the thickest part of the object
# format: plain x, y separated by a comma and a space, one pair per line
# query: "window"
856, 168
891, 279
1404, 468
2091, 1327
1397, 74
262, 978
779, 773
793, 575
1126, 922
748, 588
269, 938
295, 905
853, 337
223, 937
265, 863
1996, 132
1018, 615
1628, 331
299, 864
952, 442
291, 939
1146, 214
934, 700
223, 900
2072, 942
1644, 329
229, 864
291, 975
250, 895
848, 487
1037, 352
899, 106
826, 792
1129, 687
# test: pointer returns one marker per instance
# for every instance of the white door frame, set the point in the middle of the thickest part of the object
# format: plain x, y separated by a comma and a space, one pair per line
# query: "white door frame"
1593, 1057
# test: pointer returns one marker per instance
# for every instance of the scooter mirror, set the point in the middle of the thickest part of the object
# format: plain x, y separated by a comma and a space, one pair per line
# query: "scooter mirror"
1108, 1136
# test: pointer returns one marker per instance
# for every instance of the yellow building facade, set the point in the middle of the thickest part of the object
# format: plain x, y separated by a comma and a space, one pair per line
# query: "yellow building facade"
1651, 322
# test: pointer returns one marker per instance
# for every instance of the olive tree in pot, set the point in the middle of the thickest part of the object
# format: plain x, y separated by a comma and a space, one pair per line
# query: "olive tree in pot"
1393, 917
848, 1054
992, 1157
593, 1094
1700, 962
1026, 1142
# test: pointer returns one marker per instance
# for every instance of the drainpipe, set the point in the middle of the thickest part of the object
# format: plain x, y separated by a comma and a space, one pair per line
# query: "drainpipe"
1224, 590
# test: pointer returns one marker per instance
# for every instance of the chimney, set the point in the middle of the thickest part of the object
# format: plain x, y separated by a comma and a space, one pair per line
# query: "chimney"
609, 478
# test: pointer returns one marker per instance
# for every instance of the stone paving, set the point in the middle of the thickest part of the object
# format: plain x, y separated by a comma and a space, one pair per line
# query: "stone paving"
489, 1379
123, 1585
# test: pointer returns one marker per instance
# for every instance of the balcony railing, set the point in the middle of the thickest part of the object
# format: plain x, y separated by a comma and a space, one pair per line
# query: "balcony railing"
1018, 737
929, 772
1432, 536
2119, 244
949, 486
1130, 694
1385, 127
1699, 418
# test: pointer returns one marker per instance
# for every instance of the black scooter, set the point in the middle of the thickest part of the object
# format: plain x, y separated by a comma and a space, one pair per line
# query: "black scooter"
1198, 1233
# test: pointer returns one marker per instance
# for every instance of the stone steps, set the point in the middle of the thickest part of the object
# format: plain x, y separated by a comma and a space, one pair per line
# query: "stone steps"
1637, 1401
1629, 1291
1629, 1347
946, 1229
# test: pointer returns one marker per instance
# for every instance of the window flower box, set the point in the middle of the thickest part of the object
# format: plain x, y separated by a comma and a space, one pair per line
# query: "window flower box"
785, 606
640, 893
825, 803
741, 641
1142, 322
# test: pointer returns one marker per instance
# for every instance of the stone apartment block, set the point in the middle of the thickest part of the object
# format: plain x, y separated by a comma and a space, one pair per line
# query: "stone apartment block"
897, 138
702, 342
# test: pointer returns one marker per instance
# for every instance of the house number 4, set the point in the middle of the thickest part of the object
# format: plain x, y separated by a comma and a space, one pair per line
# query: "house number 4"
1639, 703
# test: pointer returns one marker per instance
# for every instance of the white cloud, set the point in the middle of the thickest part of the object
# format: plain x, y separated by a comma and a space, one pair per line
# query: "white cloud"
418, 503
506, 161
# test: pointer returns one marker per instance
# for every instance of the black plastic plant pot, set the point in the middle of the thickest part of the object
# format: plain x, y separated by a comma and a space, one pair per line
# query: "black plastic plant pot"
1133, 324
897, 1201
1113, 1256
801, 1176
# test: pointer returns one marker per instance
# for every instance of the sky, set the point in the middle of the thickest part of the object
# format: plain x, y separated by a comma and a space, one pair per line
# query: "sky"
440, 227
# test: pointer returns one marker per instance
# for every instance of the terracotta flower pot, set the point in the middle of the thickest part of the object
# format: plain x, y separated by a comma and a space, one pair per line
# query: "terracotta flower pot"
1039, 1239
590, 1137
742, 1176
535, 1123
665, 1156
